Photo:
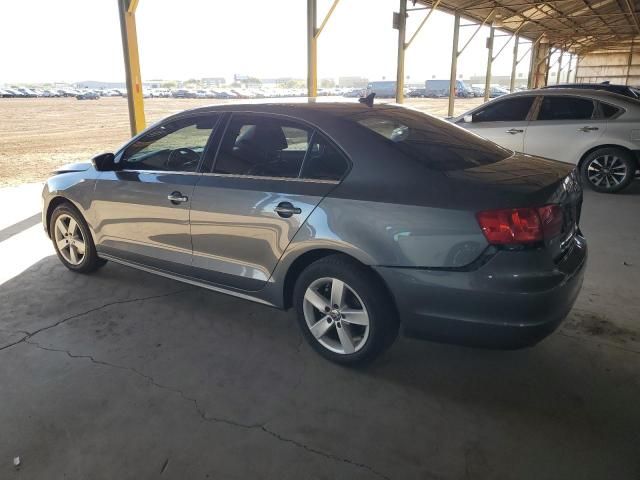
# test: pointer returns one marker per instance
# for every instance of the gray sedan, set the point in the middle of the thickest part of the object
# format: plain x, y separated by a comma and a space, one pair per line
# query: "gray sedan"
598, 131
364, 219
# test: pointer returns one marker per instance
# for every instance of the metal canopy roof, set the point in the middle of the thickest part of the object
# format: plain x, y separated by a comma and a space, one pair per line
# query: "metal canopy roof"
575, 25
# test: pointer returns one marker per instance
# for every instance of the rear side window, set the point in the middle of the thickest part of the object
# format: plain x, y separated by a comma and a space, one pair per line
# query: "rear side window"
608, 111
436, 144
566, 108
262, 146
510, 110
324, 161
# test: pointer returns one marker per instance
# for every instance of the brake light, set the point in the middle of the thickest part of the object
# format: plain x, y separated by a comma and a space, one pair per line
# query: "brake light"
520, 225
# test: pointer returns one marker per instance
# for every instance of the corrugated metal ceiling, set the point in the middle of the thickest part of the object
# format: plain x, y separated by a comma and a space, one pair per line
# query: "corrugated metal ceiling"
576, 25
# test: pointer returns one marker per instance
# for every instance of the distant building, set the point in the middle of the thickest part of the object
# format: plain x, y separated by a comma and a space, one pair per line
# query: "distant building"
93, 84
213, 81
503, 80
353, 82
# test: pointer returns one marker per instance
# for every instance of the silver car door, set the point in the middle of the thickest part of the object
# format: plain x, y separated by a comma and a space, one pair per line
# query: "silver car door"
141, 210
502, 121
564, 128
246, 211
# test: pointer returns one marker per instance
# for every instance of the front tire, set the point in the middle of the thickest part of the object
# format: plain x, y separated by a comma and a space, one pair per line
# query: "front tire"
344, 311
608, 170
72, 240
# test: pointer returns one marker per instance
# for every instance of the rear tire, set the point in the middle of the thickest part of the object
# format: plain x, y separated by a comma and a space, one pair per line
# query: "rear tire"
608, 170
344, 311
72, 240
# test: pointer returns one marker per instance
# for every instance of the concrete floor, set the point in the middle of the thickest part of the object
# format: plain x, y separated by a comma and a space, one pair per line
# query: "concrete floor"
124, 375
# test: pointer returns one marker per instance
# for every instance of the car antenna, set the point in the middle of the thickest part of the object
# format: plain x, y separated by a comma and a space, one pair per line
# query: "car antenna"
368, 100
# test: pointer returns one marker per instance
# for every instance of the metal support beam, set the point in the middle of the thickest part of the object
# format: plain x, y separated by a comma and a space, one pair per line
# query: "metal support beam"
132, 64
629, 63
559, 67
514, 64
313, 33
454, 64
312, 49
402, 29
424, 20
487, 78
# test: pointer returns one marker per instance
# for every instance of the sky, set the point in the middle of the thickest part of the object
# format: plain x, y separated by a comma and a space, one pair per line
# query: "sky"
77, 40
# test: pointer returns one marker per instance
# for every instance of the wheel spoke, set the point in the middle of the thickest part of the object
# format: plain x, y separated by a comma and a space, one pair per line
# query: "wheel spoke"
345, 339
79, 246
317, 300
337, 292
60, 227
73, 226
73, 254
61, 244
320, 327
356, 317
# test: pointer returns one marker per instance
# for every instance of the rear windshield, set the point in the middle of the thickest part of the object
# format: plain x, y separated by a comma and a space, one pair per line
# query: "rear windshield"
435, 143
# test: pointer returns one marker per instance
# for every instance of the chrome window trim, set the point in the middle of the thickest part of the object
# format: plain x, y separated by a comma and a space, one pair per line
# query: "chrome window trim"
233, 175
262, 177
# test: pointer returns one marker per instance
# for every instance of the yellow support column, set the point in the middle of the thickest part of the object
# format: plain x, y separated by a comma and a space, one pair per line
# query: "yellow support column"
402, 28
132, 64
312, 49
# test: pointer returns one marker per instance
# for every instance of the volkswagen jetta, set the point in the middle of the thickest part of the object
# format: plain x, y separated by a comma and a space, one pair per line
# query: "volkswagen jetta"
365, 219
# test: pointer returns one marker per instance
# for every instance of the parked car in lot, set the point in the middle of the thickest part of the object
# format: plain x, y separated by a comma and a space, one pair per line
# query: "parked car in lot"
382, 89
596, 130
626, 90
363, 219
497, 91
440, 88
88, 96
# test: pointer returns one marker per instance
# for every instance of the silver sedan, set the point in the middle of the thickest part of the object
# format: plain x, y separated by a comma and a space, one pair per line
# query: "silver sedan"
599, 131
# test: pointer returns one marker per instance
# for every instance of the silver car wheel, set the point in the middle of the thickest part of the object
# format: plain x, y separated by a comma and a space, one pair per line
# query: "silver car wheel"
336, 316
69, 239
607, 171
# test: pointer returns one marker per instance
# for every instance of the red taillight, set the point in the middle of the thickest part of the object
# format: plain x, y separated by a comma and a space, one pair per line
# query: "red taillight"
552, 219
520, 225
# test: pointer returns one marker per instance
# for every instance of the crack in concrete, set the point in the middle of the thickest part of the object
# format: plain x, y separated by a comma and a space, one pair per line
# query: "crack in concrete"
29, 335
203, 415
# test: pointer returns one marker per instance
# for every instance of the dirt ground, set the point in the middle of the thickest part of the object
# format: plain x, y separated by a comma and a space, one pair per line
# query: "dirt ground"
39, 134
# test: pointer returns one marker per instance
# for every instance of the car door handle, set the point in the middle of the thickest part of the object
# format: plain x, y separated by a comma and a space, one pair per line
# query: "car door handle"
587, 129
286, 210
177, 198
513, 131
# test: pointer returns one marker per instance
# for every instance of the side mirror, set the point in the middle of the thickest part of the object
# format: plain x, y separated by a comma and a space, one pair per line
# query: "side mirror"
104, 162
468, 119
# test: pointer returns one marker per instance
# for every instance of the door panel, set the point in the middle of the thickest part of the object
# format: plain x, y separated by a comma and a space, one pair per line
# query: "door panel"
564, 128
135, 219
503, 121
506, 134
141, 210
238, 238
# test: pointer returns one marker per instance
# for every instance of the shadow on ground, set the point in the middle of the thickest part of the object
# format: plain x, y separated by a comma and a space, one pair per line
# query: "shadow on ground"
122, 374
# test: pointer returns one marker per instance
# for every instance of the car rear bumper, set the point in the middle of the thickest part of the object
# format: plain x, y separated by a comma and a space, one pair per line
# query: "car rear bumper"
514, 300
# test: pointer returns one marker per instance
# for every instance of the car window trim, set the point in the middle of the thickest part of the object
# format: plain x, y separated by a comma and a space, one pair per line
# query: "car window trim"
288, 118
620, 111
197, 171
527, 117
594, 113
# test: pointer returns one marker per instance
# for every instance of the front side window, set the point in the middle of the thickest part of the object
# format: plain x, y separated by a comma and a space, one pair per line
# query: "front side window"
510, 110
566, 108
436, 144
176, 146
262, 146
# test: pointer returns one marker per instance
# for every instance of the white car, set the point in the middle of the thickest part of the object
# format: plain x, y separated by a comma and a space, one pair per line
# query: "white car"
596, 130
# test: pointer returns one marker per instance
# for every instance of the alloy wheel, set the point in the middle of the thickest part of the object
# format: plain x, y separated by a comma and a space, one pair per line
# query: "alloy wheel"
336, 316
607, 171
69, 239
